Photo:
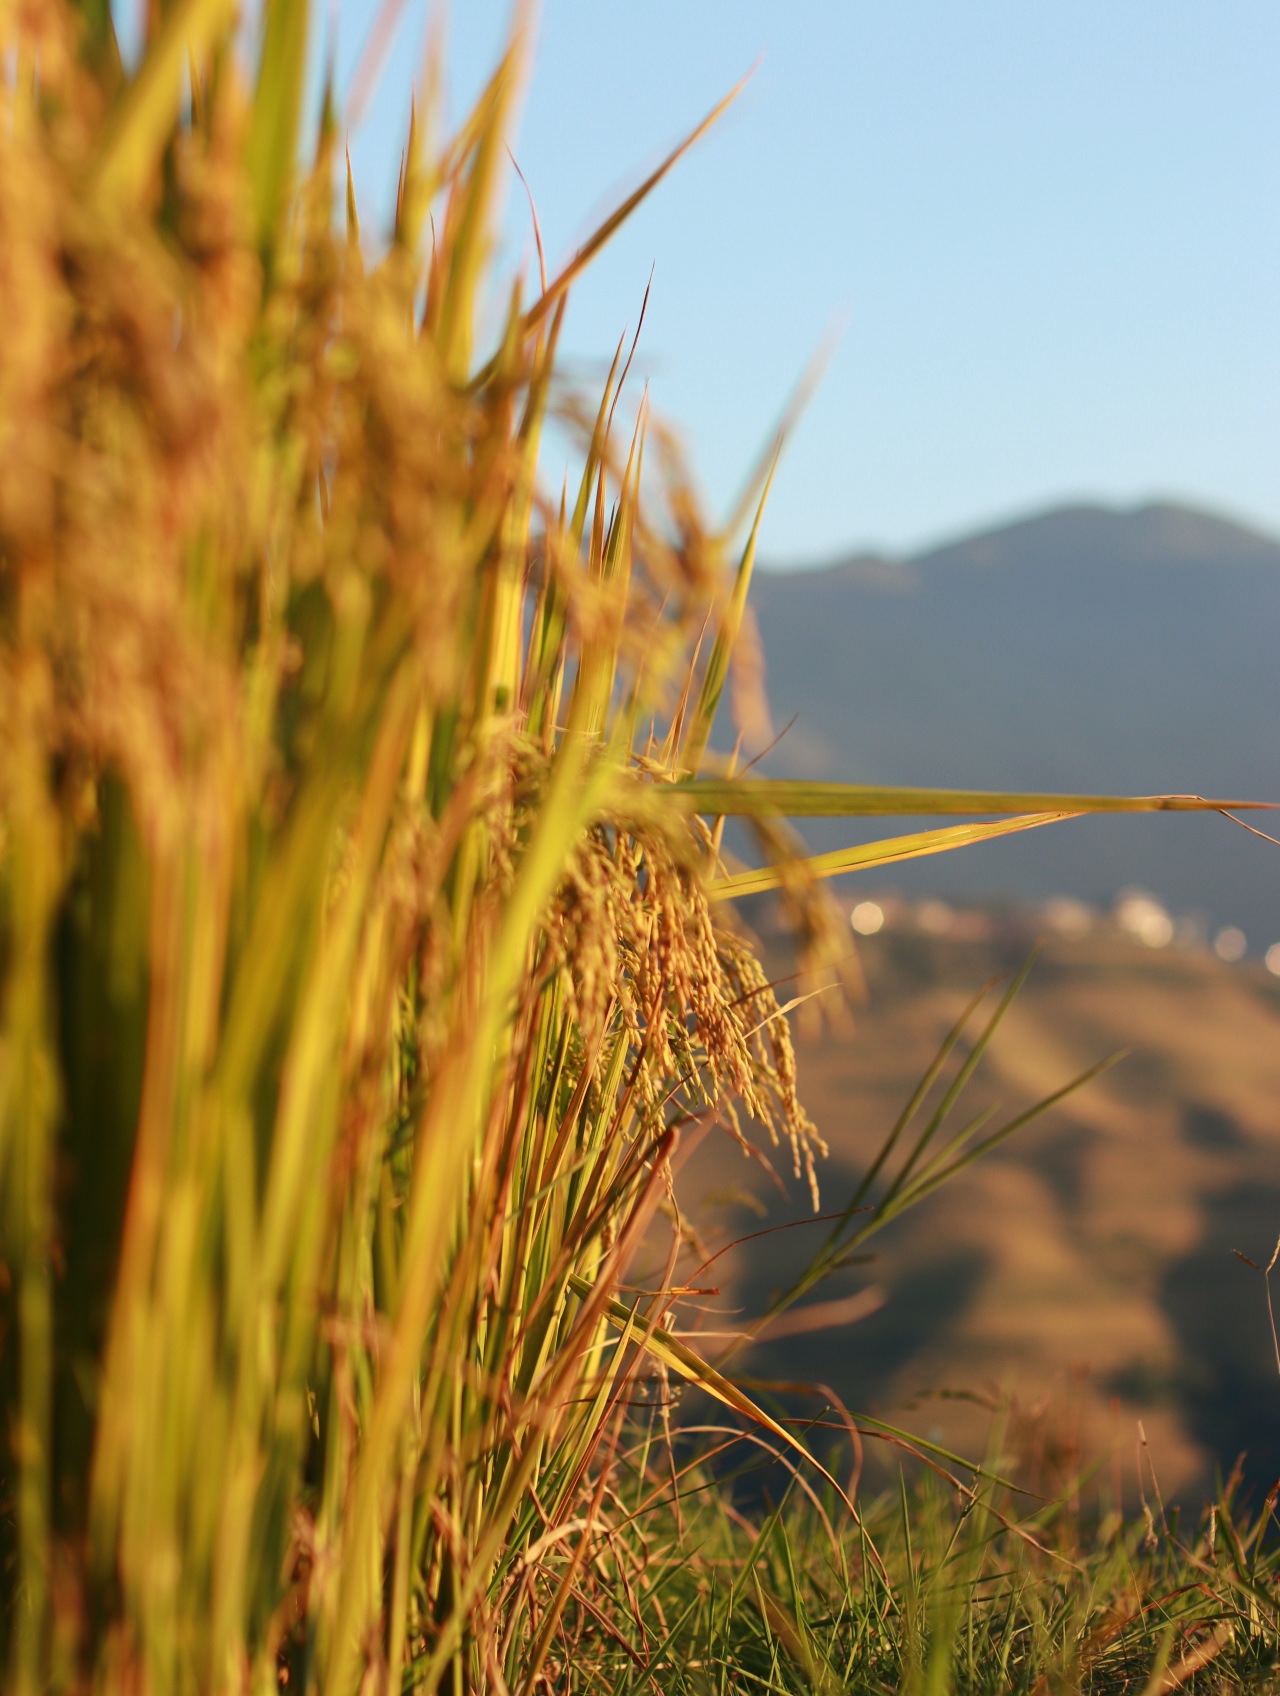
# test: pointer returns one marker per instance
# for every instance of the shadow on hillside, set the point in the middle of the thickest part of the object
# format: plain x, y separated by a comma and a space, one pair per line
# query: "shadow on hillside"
1229, 1389
926, 1301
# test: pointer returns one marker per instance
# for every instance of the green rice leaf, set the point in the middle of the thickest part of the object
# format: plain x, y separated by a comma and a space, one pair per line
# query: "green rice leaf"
277, 107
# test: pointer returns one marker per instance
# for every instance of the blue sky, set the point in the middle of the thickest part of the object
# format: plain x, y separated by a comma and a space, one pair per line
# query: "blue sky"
1049, 228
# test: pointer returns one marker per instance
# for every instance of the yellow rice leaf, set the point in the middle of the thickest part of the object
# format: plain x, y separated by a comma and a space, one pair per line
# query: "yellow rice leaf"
149, 105
670, 1352
883, 853
788, 798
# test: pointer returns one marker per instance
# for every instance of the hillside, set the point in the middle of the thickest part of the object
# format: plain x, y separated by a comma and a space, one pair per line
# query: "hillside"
1088, 1262
1086, 648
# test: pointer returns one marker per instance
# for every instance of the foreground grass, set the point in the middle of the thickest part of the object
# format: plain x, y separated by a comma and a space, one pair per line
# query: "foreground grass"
930, 1590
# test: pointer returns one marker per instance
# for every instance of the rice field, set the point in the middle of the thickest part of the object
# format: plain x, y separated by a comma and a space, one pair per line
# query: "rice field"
368, 937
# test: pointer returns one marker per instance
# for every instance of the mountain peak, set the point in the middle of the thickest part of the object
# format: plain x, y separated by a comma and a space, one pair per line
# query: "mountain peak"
1088, 648
1155, 532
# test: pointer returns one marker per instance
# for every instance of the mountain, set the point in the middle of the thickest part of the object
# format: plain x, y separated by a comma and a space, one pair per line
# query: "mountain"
1086, 648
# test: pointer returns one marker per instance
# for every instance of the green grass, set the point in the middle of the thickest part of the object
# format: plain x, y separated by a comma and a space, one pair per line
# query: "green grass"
947, 1584
365, 950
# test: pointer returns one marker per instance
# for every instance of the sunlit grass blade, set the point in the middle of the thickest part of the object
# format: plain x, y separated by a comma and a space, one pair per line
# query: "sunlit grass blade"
873, 1205
760, 475
277, 110
888, 851
614, 222
469, 219
717, 667
147, 107
955, 1089
747, 797
669, 1351
913, 1105
953, 1159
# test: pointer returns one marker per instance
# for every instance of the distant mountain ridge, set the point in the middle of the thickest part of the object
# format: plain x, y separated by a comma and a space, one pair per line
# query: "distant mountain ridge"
1087, 648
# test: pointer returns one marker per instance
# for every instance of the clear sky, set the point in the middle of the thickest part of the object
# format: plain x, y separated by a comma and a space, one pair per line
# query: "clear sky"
1050, 229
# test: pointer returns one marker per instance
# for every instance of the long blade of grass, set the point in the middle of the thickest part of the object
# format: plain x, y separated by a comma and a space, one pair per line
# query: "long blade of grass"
587, 252
749, 797
103, 45
470, 216
937, 1174
681, 1359
902, 1194
713, 679
914, 1103
761, 473
956, 1088
277, 109
886, 852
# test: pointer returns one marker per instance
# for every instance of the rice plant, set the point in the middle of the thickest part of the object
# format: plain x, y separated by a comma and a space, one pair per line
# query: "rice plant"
367, 928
